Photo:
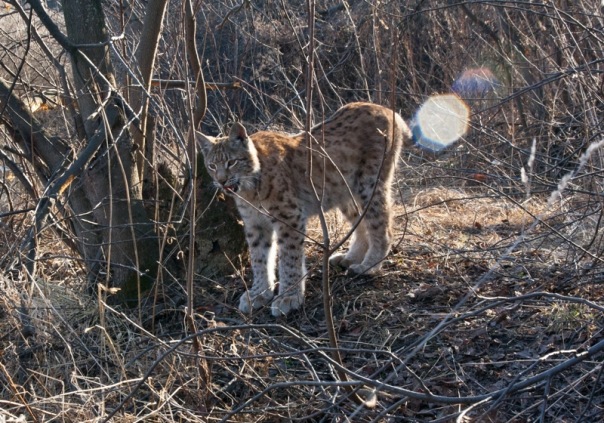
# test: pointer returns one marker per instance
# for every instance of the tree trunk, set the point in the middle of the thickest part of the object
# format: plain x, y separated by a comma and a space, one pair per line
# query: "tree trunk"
145, 60
112, 184
101, 181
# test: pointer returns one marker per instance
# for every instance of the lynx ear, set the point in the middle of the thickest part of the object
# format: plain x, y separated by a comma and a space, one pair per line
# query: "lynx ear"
238, 133
204, 143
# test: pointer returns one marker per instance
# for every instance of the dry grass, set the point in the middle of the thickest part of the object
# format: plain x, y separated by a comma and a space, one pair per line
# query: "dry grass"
484, 290
463, 261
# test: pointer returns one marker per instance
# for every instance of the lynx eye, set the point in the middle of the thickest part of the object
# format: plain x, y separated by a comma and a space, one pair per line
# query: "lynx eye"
212, 167
231, 163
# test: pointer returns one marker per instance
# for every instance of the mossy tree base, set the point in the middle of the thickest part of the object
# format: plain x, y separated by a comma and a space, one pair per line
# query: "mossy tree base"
220, 238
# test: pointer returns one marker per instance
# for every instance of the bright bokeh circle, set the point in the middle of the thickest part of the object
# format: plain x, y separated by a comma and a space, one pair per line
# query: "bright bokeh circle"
440, 121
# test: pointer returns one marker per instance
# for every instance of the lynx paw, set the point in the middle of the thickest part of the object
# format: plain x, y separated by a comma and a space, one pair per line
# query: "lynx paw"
251, 301
363, 269
339, 260
285, 303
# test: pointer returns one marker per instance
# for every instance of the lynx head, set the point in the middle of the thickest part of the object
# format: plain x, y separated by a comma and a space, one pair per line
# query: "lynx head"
231, 161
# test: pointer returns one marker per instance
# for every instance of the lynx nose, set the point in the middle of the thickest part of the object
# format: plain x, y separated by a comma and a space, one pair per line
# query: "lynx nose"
221, 176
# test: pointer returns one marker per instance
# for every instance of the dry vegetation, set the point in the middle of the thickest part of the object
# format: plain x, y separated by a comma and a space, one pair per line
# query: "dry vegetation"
489, 308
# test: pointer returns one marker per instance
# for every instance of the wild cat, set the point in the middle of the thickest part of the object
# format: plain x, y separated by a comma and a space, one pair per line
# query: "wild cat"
354, 156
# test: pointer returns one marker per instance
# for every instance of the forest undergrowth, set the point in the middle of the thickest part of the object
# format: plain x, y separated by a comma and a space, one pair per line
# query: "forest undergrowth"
474, 301
488, 309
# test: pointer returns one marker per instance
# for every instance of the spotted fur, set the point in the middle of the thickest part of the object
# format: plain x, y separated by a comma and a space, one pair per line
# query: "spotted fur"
354, 156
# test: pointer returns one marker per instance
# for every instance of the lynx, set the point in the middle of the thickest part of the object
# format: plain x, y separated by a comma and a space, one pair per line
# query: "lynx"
354, 156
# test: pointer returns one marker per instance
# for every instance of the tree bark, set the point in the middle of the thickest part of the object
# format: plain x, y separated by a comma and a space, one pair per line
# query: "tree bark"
145, 59
112, 181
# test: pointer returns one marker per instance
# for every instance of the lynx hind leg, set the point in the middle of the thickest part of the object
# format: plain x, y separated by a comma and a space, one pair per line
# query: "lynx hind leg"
378, 224
359, 243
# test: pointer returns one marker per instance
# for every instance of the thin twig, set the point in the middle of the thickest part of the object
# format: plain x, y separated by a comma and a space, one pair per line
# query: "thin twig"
198, 112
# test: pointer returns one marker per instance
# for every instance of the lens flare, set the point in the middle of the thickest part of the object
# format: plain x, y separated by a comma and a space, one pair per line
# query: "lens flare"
476, 83
440, 121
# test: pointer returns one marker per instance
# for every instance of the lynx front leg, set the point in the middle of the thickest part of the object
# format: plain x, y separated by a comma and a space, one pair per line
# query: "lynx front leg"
292, 269
261, 241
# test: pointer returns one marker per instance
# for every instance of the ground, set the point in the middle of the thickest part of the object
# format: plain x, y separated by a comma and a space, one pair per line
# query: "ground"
476, 299
472, 300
